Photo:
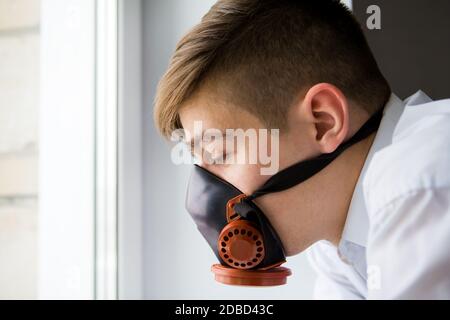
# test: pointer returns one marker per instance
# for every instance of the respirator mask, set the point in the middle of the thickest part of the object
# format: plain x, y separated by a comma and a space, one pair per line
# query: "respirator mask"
242, 238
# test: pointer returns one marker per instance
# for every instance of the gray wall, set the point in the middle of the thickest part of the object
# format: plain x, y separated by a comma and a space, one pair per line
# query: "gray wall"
413, 45
176, 258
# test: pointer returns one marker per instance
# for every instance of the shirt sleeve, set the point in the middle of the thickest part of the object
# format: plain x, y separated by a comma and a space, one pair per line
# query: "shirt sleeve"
331, 282
408, 250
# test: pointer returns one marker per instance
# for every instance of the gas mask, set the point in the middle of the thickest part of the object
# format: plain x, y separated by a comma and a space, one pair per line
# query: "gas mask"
242, 238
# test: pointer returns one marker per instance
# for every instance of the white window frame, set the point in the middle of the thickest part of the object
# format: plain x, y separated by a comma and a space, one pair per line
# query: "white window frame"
67, 150
90, 150
106, 236
130, 166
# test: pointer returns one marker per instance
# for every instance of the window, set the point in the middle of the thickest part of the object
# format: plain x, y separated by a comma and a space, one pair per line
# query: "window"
65, 143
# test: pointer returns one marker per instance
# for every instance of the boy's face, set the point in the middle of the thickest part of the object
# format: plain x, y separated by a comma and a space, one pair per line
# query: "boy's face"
316, 125
280, 150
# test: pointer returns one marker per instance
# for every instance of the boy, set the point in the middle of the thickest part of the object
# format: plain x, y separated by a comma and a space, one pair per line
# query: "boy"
377, 218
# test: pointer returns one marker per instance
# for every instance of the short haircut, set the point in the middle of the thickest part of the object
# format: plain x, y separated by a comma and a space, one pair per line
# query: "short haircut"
261, 54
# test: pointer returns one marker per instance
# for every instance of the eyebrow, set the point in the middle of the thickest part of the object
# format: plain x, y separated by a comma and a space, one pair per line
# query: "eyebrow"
192, 142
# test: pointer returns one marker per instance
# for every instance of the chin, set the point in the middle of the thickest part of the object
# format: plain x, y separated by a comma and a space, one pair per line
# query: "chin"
293, 251
289, 252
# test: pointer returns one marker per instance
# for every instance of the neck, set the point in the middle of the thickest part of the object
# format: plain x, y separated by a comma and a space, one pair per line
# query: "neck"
317, 208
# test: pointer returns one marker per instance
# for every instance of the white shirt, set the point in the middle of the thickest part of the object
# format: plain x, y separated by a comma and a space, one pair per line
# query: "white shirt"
396, 239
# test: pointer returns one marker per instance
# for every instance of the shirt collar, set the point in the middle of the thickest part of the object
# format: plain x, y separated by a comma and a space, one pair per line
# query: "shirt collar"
356, 227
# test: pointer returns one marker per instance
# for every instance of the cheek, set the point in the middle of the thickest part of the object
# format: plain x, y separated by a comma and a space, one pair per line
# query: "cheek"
246, 178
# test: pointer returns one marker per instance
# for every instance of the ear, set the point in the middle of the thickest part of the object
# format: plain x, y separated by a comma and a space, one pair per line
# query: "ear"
327, 107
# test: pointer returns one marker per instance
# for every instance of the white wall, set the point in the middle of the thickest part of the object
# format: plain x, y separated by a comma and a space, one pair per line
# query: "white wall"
177, 260
19, 147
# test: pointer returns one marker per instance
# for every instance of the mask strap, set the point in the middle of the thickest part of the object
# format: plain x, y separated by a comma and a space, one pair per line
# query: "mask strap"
304, 170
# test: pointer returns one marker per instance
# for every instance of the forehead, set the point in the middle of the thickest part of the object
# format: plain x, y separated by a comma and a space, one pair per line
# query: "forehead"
215, 113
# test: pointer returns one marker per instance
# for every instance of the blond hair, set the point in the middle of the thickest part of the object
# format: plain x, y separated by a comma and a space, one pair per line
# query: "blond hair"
264, 52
